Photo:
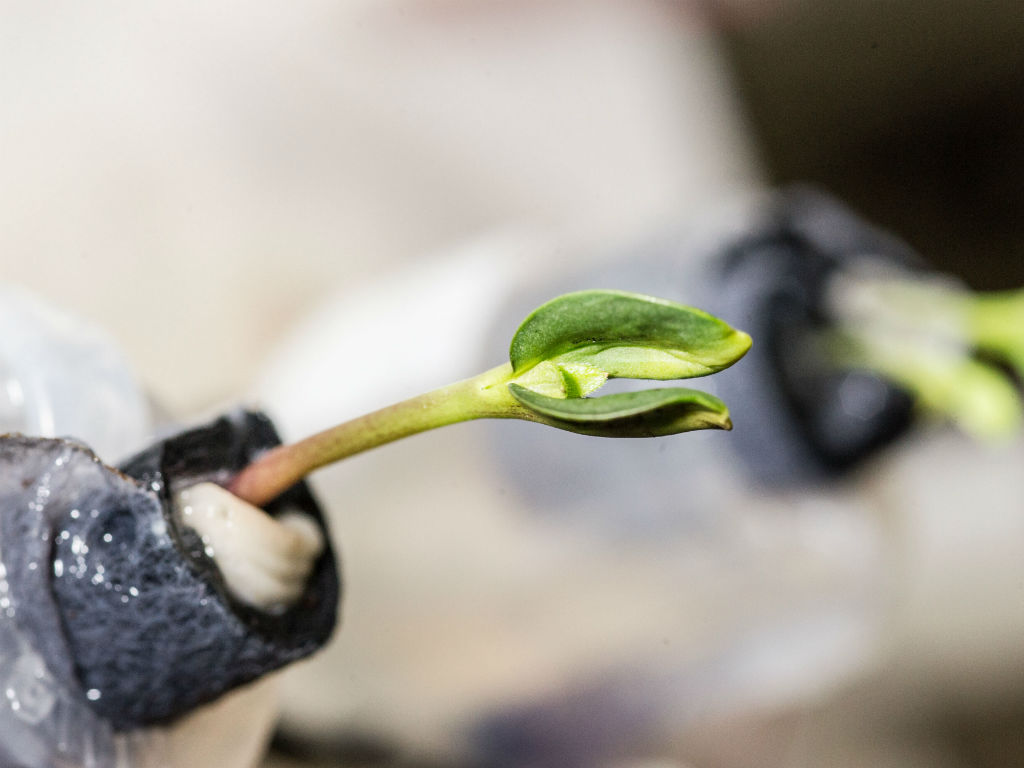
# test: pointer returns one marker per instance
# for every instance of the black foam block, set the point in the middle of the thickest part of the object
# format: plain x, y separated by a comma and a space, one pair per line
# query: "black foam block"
799, 416
119, 598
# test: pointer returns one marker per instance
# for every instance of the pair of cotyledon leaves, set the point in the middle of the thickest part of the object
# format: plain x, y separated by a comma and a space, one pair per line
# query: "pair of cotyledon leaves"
570, 346
561, 353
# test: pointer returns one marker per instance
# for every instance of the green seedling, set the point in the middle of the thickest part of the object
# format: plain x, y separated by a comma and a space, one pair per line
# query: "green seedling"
562, 353
950, 347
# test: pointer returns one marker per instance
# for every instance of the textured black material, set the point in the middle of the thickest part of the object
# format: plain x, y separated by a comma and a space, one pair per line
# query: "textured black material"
120, 599
817, 420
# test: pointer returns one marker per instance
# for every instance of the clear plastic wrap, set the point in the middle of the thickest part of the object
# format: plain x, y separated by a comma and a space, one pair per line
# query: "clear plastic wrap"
59, 376
43, 725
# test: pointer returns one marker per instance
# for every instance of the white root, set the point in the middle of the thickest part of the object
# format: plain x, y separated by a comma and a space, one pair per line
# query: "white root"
265, 561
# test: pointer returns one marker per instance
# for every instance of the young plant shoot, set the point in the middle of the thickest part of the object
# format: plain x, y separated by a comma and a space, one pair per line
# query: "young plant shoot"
951, 348
560, 355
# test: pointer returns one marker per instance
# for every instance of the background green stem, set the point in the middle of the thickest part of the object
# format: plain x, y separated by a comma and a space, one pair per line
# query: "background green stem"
484, 396
923, 335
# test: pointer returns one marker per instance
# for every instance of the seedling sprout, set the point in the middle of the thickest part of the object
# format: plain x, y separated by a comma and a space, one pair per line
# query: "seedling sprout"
956, 351
560, 355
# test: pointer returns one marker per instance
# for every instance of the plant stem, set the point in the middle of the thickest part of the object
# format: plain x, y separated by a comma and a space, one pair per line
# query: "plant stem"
484, 396
996, 321
922, 335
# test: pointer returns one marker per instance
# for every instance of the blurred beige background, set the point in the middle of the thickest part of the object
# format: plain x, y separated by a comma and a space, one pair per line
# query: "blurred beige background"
197, 177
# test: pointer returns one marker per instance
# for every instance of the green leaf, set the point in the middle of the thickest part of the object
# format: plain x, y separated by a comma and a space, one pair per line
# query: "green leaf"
545, 378
581, 379
979, 397
649, 413
626, 335
996, 325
